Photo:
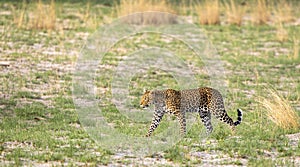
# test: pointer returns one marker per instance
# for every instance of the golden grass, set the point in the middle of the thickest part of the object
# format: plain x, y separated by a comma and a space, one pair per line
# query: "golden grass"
261, 12
283, 12
90, 19
19, 14
279, 111
234, 13
43, 16
296, 48
127, 7
208, 12
282, 34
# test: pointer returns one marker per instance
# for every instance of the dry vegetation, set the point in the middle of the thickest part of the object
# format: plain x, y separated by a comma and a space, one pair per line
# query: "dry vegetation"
261, 12
208, 12
281, 33
234, 13
279, 110
127, 7
283, 12
19, 15
90, 19
42, 16
296, 48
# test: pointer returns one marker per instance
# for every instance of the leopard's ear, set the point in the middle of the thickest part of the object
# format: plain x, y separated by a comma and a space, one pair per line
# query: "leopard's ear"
146, 90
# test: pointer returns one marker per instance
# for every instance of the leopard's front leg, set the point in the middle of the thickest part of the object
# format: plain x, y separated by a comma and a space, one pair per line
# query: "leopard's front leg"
157, 116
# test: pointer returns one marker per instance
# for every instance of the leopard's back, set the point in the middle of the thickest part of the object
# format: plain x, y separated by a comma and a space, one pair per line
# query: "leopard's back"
194, 100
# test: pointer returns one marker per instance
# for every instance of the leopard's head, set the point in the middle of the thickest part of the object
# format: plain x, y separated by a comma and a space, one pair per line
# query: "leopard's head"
146, 99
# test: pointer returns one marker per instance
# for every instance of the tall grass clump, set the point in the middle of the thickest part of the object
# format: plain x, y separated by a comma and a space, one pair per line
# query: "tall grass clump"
296, 48
279, 111
126, 7
19, 15
90, 18
43, 16
234, 13
35, 15
208, 12
282, 34
260, 12
283, 12
145, 10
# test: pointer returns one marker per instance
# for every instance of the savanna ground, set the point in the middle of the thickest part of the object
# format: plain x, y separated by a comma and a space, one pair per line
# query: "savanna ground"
40, 125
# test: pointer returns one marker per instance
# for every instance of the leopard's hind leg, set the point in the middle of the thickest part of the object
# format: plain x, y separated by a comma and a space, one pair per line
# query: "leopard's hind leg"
206, 119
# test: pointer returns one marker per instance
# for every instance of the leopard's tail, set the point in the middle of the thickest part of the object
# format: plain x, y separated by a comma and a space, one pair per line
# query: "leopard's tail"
239, 118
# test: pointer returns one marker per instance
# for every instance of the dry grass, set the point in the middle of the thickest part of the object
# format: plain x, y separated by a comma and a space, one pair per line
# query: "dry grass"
261, 12
43, 16
185, 7
234, 13
208, 12
90, 19
296, 48
283, 12
282, 34
19, 15
127, 7
279, 111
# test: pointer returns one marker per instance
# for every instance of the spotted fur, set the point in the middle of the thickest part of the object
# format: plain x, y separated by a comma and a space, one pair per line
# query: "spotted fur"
206, 101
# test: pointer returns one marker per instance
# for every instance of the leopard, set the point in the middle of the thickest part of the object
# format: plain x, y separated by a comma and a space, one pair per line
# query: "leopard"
204, 100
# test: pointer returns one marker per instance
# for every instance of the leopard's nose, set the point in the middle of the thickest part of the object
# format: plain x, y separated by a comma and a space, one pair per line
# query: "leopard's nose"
144, 106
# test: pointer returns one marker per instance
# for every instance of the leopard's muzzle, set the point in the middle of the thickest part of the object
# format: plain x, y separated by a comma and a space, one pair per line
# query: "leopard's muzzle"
145, 106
